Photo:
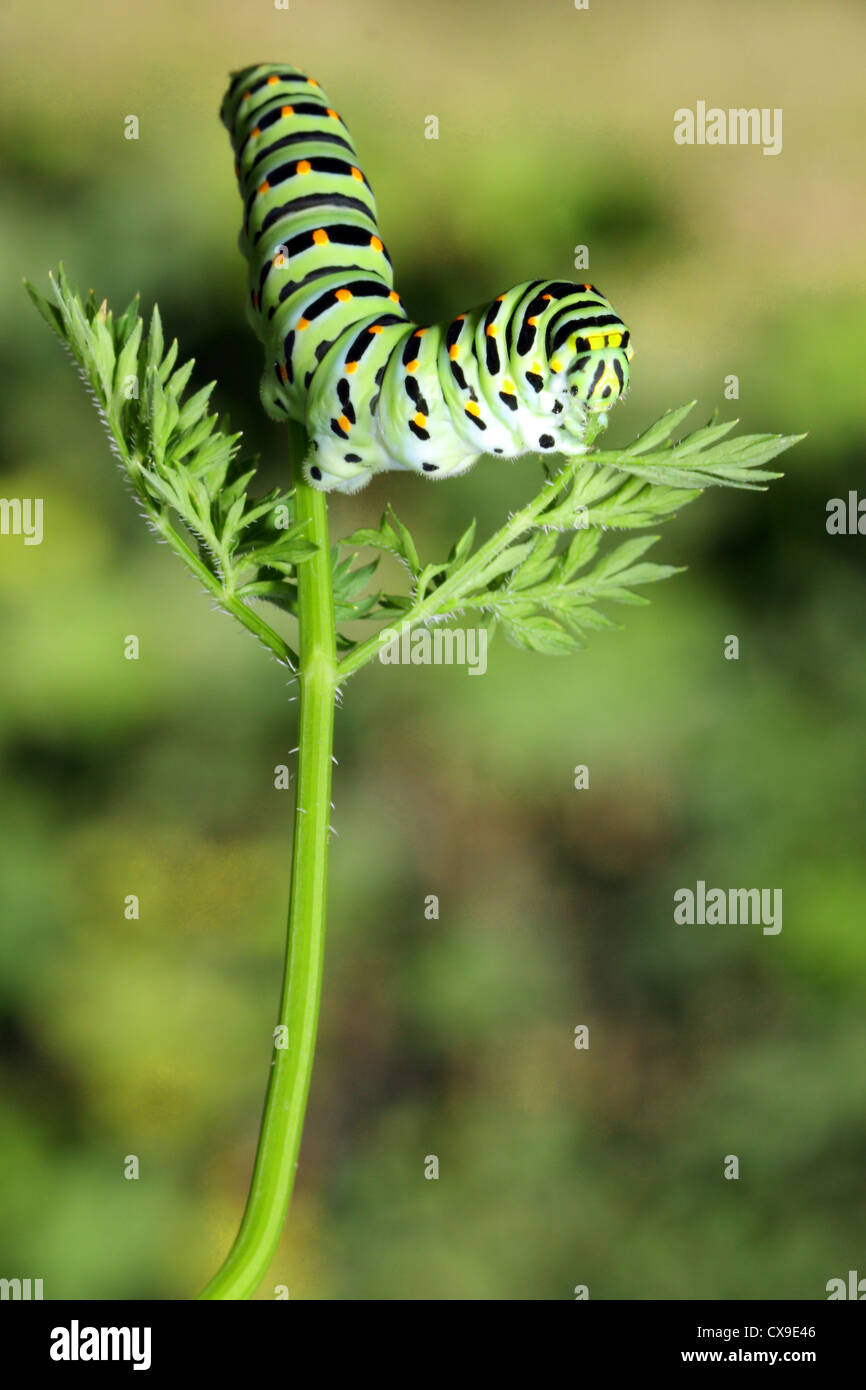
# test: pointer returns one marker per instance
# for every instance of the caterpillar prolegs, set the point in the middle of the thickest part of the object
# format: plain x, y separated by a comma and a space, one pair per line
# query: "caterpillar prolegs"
374, 390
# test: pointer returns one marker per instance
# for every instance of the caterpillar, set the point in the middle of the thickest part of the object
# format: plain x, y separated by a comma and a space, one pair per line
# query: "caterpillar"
374, 390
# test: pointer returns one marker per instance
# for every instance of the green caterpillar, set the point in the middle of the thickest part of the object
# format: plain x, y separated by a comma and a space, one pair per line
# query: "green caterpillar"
374, 390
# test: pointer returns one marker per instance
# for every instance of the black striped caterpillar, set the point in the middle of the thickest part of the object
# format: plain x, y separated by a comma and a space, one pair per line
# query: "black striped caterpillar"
374, 390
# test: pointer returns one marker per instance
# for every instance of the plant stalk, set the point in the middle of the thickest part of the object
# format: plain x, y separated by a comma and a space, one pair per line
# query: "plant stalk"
285, 1104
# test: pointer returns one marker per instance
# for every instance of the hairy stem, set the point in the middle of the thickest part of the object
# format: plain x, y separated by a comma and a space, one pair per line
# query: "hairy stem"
230, 602
292, 1064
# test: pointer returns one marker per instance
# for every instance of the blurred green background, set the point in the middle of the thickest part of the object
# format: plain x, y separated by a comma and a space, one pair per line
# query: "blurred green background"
451, 1037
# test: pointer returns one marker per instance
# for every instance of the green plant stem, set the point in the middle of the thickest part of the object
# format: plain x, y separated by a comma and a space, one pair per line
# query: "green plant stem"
292, 1065
245, 614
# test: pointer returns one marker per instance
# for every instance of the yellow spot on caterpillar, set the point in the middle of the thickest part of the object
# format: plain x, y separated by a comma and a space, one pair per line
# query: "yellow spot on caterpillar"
343, 295
320, 236
595, 340
556, 364
629, 354
614, 339
395, 296
302, 324
344, 424
536, 367
303, 166
376, 243
419, 420
472, 408
491, 330
351, 367
287, 110
533, 320
412, 366
356, 174
264, 187
452, 352
272, 81
508, 388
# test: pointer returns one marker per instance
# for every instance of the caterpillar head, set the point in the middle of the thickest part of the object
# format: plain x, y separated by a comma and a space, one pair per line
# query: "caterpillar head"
599, 372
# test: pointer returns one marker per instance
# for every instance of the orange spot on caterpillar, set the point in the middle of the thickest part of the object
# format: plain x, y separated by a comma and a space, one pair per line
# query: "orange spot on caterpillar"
312, 82
246, 96
302, 324
273, 80
532, 320
499, 298
412, 366
547, 296
351, 366
257, 131
264, 187
343, 295
419, 332
284, 374
376, 243
303, 166
491, 330
287, 110
395, 296
375, 328
452, 351
320, 236
344, 423
333, 115
356, 174
419, 419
